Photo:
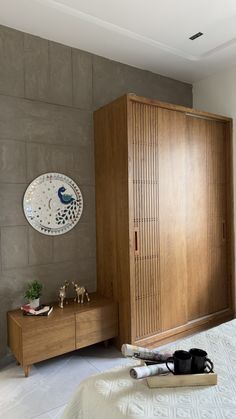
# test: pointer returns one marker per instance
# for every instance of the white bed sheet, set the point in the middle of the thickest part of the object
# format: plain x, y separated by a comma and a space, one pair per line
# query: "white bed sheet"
114, 395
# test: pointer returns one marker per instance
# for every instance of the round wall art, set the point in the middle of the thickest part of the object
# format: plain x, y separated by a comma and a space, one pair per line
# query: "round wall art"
53, 203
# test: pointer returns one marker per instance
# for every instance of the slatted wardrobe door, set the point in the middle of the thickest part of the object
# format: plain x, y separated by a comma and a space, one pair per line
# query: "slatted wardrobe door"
145, 222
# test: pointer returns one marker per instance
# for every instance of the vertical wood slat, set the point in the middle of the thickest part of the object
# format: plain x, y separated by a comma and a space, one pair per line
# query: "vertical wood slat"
145, 199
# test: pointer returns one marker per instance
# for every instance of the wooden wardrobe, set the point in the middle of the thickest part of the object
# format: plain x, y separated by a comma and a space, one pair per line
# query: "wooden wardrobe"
164, 213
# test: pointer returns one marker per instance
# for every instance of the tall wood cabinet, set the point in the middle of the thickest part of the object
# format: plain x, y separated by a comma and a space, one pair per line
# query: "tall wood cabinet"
164, 212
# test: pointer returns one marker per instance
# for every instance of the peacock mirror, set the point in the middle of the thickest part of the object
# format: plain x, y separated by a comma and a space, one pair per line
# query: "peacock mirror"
53, 203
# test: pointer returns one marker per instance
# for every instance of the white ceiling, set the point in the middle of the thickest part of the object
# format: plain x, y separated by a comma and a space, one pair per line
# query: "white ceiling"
149, 34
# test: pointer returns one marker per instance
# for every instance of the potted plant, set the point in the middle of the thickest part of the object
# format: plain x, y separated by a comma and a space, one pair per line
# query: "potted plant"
33, 293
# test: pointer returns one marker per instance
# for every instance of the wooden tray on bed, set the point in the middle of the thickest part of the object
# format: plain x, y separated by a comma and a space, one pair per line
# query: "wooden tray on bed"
188, 380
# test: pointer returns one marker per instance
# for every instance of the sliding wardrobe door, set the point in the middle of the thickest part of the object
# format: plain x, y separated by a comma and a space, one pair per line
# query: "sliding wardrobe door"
198, 131
206, 217
217, 217
144, 221
172, 216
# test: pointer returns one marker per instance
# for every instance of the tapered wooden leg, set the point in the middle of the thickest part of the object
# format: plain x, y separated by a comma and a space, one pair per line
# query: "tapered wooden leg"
27, 370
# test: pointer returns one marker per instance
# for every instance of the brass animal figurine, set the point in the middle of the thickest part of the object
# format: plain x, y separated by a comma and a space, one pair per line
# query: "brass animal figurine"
80, 291
62, 294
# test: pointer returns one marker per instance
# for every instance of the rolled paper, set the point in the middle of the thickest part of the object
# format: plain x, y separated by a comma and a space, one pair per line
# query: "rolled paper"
144, 353
148, 371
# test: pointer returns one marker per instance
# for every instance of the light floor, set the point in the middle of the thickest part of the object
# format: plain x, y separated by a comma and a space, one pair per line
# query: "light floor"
45, 393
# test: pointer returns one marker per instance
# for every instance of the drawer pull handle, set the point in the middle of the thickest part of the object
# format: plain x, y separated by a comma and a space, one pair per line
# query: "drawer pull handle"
223, 230
136, 250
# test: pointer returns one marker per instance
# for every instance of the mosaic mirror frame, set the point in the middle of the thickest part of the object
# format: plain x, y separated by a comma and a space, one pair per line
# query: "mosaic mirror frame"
53, 204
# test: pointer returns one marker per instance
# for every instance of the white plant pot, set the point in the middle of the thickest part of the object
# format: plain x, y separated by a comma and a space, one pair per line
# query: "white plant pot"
34, 303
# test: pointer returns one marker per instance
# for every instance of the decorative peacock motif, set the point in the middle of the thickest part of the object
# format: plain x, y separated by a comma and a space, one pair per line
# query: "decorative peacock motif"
65, 199
68, 214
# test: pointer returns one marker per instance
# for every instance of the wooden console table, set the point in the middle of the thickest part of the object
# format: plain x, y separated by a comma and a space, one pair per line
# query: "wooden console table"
34, 339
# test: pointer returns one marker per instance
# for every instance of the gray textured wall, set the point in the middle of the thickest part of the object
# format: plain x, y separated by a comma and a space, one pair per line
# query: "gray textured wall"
47, 95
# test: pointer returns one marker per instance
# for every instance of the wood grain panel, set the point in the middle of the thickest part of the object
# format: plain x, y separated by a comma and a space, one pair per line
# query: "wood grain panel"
55, 339
145, 219
172, 214
14, 338
198, 130
206, 217
217, 217
112, 209
166, 105
96, 325
216, 152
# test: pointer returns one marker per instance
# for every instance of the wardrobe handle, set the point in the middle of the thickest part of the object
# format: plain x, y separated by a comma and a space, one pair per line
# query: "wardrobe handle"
223, 230
136, 250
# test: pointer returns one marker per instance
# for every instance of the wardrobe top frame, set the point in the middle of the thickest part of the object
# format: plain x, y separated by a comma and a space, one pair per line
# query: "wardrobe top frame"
131, 97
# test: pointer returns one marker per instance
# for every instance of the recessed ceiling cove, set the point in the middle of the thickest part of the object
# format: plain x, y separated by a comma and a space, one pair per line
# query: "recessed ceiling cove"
152, 34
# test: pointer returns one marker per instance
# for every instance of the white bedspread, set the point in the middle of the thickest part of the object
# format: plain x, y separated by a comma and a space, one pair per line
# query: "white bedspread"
114, 395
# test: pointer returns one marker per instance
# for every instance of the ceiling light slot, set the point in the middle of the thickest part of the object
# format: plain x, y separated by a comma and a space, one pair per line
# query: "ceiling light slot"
195, 36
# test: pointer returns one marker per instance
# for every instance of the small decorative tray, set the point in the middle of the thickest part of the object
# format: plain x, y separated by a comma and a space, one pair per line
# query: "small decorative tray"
187, 380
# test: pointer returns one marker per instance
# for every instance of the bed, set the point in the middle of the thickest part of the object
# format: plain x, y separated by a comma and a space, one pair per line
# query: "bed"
114, 395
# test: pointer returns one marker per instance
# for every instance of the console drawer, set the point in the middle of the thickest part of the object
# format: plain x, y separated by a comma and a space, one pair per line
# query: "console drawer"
96, 325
